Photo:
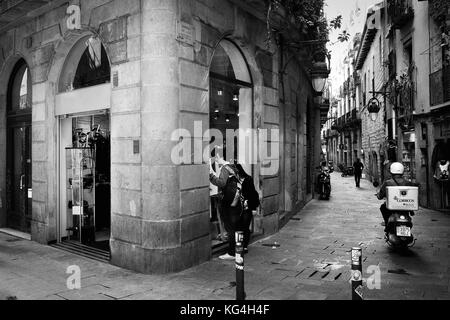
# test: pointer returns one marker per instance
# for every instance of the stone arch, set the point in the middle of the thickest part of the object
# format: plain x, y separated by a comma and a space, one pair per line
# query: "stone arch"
255, 73
6, 73
227, 53
69, 48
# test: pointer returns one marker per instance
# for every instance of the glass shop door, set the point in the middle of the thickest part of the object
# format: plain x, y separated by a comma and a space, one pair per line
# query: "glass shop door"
86, 176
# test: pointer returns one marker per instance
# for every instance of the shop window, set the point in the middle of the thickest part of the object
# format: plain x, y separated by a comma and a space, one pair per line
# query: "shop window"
87, 65
230, 98
19, 93
93, 69
87, 178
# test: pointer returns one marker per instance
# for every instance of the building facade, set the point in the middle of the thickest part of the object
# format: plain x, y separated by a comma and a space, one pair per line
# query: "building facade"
402, 65
105, 108
343, 126
369, 65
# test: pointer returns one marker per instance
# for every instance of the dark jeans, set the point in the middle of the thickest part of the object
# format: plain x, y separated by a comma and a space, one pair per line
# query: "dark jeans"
385, 213
231, 218
246, 220
358, 178
235, 221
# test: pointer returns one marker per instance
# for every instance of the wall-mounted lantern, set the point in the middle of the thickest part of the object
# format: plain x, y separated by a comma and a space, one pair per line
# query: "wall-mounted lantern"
374, 108
319, 75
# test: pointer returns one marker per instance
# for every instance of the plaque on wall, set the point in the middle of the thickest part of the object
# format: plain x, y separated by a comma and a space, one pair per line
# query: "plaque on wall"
185, 32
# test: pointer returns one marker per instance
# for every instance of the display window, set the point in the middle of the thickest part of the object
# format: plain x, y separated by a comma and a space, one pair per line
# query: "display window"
88, 191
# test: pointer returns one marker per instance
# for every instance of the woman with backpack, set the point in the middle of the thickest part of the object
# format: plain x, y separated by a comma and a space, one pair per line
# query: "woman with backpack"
231, 206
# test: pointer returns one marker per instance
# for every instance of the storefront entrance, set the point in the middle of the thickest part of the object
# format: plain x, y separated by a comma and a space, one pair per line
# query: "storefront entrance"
82, 105
86, 179
231, 110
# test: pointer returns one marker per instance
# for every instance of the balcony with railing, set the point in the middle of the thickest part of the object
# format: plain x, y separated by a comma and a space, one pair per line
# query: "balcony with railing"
440, 87
400, 11
352, 120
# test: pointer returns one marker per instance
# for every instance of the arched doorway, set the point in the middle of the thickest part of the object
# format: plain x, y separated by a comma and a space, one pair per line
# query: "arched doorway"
231, 115
18, 149
82, 106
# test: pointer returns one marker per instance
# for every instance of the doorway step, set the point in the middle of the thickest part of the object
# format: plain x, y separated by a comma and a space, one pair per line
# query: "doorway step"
15, 233
83, 250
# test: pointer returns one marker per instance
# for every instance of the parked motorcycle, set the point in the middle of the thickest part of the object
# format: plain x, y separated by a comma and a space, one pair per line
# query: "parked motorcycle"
325, 183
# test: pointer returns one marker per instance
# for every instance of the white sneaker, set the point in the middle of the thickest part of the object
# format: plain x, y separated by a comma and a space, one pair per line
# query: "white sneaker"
226, 257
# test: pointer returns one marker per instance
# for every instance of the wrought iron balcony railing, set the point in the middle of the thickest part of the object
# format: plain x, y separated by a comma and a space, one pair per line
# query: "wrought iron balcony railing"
400, 11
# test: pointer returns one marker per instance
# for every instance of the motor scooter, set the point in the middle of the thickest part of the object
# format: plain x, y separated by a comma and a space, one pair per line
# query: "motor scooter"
398, 232
325, 183
401, 202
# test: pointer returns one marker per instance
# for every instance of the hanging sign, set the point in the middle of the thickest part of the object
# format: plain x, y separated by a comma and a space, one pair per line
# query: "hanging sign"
76, 210
30, 193
74, 19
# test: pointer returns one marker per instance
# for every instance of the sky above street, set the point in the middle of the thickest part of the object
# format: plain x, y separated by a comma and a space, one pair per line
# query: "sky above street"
353, 13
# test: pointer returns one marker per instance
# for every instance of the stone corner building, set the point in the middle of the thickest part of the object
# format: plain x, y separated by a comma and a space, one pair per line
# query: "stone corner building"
90, 95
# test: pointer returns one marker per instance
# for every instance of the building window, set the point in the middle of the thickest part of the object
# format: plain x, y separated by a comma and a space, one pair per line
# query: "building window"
86, 65
19, 93
93, 69
231, 99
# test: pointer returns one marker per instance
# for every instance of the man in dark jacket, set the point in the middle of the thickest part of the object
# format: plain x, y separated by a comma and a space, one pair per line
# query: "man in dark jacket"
358, 169
251, 202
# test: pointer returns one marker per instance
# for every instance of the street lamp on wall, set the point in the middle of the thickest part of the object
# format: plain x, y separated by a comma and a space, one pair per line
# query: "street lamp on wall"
319, 75
374, 108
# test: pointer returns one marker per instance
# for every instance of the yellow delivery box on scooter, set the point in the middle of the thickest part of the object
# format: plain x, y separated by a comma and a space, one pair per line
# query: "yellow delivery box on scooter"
402, 198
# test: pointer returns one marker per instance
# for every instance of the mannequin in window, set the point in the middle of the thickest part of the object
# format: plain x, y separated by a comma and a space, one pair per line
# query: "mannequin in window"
442, 170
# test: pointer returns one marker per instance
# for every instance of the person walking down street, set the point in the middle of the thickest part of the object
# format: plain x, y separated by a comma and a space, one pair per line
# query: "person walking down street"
358, 169
251, 202
229, 199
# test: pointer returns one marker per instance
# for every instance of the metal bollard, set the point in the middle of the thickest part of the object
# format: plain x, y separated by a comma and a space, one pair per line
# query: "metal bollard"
357, 283
240, 293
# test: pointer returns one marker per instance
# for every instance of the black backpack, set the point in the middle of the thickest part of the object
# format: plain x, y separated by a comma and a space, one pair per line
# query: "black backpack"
250, 194
232, 192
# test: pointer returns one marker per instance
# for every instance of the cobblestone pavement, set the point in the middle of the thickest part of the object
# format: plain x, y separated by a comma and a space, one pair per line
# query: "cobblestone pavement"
311, 262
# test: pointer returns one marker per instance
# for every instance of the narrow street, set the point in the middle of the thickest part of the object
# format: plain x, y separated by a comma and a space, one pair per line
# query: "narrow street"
310, 261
